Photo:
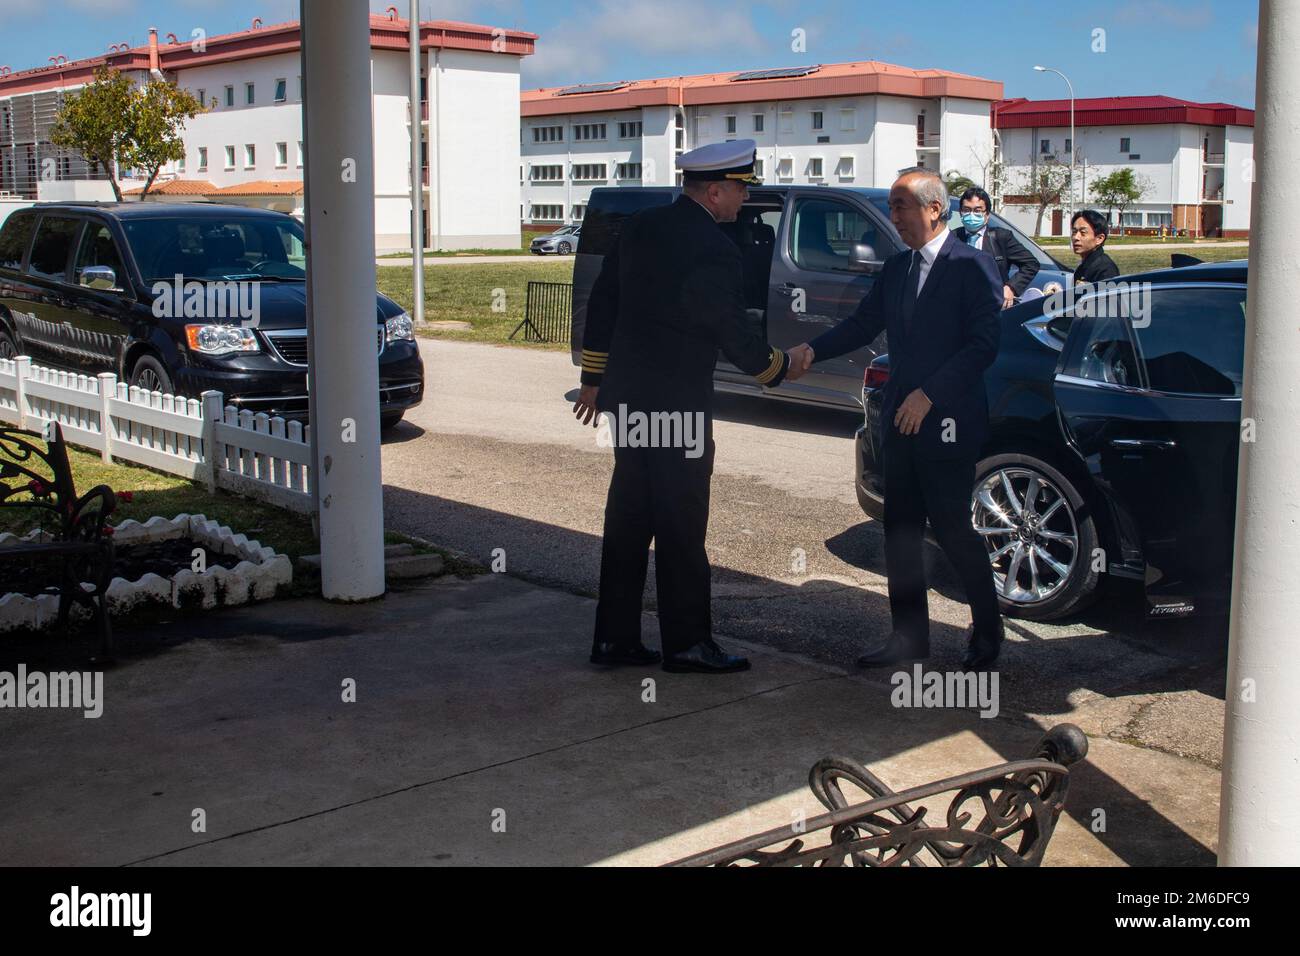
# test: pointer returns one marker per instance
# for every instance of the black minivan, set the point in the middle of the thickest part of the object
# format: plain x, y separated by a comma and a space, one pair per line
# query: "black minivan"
180, 298
809, 255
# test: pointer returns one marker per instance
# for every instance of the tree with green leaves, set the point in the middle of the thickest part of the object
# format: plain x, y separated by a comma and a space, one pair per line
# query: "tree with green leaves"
1119, 190
115, 123
957, 183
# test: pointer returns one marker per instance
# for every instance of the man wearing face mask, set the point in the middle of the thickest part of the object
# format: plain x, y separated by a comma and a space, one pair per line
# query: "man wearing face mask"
1001, 244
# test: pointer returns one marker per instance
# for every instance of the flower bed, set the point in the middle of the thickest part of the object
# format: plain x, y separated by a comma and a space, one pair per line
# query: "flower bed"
233, 570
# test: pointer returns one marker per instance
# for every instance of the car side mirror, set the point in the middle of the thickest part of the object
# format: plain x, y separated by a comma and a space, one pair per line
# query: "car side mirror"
863, 258
99, 277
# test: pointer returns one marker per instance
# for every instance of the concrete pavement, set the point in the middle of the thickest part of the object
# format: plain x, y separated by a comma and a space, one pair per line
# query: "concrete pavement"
474, 704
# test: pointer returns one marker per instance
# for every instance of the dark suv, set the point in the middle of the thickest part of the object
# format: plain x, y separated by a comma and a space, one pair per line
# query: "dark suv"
180, 298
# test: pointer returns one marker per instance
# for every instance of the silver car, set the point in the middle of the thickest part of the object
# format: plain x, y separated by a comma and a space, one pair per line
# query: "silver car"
562, 242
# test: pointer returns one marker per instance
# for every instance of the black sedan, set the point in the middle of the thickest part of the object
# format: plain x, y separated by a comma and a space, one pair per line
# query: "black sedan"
1115, 422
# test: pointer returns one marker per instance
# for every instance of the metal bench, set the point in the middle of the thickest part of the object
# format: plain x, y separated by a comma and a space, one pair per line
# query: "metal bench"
1002, 815
75, 536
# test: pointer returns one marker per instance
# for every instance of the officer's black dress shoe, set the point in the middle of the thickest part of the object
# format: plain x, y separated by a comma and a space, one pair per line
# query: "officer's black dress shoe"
616, 655
895, 649
705, 657
981, 651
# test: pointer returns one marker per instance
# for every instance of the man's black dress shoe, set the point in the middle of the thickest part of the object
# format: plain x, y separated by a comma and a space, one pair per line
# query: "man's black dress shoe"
981, 651
705, 657
895, 649
614, 655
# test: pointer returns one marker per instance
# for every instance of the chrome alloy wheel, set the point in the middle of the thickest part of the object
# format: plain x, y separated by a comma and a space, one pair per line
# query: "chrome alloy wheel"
1028, 527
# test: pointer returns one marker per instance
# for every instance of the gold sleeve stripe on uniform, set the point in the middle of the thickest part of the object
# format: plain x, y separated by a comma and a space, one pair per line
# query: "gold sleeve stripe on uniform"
778, 358
594, 361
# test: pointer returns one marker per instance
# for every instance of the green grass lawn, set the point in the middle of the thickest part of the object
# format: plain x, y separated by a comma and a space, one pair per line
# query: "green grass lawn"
467, 293
1052, 241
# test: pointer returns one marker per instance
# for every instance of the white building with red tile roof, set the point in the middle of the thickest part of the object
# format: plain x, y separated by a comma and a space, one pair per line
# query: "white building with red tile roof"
1196, 160
851, 124
248, 147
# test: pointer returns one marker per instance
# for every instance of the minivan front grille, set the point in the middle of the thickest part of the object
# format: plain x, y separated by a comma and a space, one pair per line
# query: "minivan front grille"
291, 344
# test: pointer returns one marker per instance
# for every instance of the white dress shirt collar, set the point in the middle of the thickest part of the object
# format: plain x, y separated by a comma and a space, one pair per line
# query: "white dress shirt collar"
930, 251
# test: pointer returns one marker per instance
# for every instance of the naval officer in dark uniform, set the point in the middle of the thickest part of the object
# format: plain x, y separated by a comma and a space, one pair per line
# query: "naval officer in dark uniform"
667, 299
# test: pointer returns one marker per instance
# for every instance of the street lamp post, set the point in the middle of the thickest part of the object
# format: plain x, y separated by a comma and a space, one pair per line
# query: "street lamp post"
1074, 147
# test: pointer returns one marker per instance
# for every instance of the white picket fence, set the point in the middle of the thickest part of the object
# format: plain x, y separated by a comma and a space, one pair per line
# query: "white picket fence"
201, 439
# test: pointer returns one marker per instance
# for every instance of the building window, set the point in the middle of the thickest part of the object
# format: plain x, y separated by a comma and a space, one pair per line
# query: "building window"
816, 119
546, 212
588, 131
230, 157
203, 97
701, 128
300, 154
281, 90
785, 168
300, 87
628, 171
1044, 146
845, 170
1125, 144
230, 96
547, 174
848, 119
250, 155
787, 121
180, 164
1157, 219
548, 134
815, 167
579, 212
249, 93
758, 167
630, 130
281, 155
1131, 219
758, 122
731, 124
589, 172
1069, 145
203, 159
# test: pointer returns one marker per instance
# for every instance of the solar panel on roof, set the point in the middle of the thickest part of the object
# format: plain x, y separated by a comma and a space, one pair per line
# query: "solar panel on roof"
775, 74
591, 88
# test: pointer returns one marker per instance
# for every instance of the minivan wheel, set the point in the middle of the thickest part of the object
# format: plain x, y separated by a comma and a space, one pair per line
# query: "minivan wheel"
8, 347
389, 420
150, 375
1039, 536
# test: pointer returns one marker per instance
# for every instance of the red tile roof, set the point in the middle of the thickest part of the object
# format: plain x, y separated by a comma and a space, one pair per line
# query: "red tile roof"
262, 187
386, 33
175, 187
1021, 113
833, 79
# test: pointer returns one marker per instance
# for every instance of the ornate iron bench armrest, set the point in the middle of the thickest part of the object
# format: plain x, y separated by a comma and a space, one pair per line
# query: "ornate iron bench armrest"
85, 522
1019, 803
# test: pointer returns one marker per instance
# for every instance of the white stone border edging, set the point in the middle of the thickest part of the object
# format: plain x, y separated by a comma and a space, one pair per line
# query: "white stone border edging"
258, 575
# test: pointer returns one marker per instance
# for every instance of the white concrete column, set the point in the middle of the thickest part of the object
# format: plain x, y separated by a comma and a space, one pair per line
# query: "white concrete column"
339, 179
1259, 821
417, 172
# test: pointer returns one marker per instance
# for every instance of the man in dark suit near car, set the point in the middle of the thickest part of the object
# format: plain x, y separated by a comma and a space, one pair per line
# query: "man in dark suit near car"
666, 300
940, 305
1001, 244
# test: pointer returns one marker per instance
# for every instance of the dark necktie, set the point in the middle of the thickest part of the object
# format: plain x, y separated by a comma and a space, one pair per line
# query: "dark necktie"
909, 289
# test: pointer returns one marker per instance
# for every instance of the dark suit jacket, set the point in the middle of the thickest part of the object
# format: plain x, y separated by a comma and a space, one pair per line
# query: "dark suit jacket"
1007, 251
953, 338
1097, 267
665, 302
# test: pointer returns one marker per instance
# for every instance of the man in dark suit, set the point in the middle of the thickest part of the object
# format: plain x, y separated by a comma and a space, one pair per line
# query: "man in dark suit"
940, 305
1088, 233
1001, 244
665, 302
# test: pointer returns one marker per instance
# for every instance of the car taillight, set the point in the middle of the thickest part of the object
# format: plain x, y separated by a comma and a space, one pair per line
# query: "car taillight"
875, 376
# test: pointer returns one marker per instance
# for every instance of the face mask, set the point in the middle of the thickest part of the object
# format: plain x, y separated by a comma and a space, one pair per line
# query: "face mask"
974, 221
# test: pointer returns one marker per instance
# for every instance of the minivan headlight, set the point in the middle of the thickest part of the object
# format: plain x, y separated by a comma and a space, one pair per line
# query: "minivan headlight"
399, 328
220, 339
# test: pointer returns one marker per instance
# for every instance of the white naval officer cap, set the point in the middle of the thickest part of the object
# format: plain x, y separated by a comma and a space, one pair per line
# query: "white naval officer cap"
718, 161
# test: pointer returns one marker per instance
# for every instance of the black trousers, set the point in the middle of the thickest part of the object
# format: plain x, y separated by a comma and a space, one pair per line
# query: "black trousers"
917, 489
656, 494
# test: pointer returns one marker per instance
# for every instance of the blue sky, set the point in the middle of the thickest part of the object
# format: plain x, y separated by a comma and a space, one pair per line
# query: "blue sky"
1193, 49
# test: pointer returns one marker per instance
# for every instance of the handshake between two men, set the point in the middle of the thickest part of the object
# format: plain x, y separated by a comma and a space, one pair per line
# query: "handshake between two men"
911, 411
